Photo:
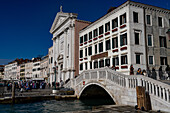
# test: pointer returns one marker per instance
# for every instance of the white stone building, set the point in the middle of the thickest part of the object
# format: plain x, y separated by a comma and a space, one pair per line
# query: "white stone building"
65, 31
28, 70
11, 71
115, 40
44, 68
50, 67
36, 69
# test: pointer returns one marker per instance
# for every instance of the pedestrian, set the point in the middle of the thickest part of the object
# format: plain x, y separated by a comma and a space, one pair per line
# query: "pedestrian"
160, 73
139, 72
131, 70
153, 73
168, 70
149, 72
144, 73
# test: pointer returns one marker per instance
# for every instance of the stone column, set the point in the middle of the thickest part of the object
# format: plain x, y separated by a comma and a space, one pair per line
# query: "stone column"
160, 94
163, 93
139, 82
65, 50
150, 88
167, 94
156, 89
153, 91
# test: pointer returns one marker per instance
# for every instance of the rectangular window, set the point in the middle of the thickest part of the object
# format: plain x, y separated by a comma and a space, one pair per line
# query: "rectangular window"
115, 61
115, 42
85, 51
107, 62
149, 40
51, 59
124, 59
107, 44
114, 23
151, 60
123, 39
81, 66
148, 19
101, 47
137, 58
107, 27
101, 30
135, 17
136, 38
160, 22
86, 66
162, 41
96, 49
95, 33
81, 53
101, 63
81, 39
85, 37
163, 60
123, 19
90, 35
90, 50
90, 65
95, 64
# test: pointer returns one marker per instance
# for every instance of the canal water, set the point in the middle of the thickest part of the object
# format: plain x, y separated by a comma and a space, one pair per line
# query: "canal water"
52, 106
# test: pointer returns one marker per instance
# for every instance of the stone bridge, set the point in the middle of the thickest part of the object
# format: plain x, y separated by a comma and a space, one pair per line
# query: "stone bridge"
122, 88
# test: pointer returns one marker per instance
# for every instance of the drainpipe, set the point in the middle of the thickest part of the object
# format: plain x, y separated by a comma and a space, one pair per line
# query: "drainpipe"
146, 48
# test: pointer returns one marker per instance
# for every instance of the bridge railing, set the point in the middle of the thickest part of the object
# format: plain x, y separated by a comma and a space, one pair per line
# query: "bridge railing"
154, 87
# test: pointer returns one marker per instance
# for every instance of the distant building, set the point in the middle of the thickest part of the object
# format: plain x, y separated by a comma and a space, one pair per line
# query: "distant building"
11, 69
131, 34
36, 69
65, 30
44, 68
28, 70
50, 67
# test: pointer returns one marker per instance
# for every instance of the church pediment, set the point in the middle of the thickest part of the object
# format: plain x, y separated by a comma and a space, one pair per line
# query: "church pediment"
59, 19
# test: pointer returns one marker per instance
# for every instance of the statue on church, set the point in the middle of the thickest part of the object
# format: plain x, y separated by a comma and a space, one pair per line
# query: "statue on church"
61, 8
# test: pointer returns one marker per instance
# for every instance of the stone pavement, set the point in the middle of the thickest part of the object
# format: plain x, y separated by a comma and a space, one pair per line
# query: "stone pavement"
113, 109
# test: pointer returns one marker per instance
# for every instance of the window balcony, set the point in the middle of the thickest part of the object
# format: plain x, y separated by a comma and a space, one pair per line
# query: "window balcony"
100, 36
123, 26
115, 29
124, 67
123, 48
115, 50
107, 33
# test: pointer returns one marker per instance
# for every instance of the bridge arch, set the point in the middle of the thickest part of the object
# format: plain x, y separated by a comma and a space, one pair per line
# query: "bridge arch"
97, 84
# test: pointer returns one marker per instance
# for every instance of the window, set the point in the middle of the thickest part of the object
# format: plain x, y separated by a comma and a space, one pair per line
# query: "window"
101, 30
90, 35
85, 37
114, 23
148, 19
135, 17
123, 19
124, 59
123, 39
95, 48
101, 47
90, 65
163, 60
51, 59
107, 27
160, 22
162, 41
81, 66
137, 38
90, 50
85, 51
107, 44
151, 60
101, 63
149, 40
137, 58
81, 53
95, 33
81, 39
114, 42
107, 62
86, 66
95, 64
115, 61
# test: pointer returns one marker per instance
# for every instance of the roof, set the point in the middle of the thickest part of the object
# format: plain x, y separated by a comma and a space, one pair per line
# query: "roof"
116, 8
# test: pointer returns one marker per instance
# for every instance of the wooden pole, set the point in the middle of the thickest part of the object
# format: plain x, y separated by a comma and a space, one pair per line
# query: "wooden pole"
13, 92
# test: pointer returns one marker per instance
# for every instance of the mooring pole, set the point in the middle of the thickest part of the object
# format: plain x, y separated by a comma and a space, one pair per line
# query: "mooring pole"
13, 92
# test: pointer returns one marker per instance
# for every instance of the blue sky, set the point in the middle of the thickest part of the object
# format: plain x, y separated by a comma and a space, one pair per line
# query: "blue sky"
25, 24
